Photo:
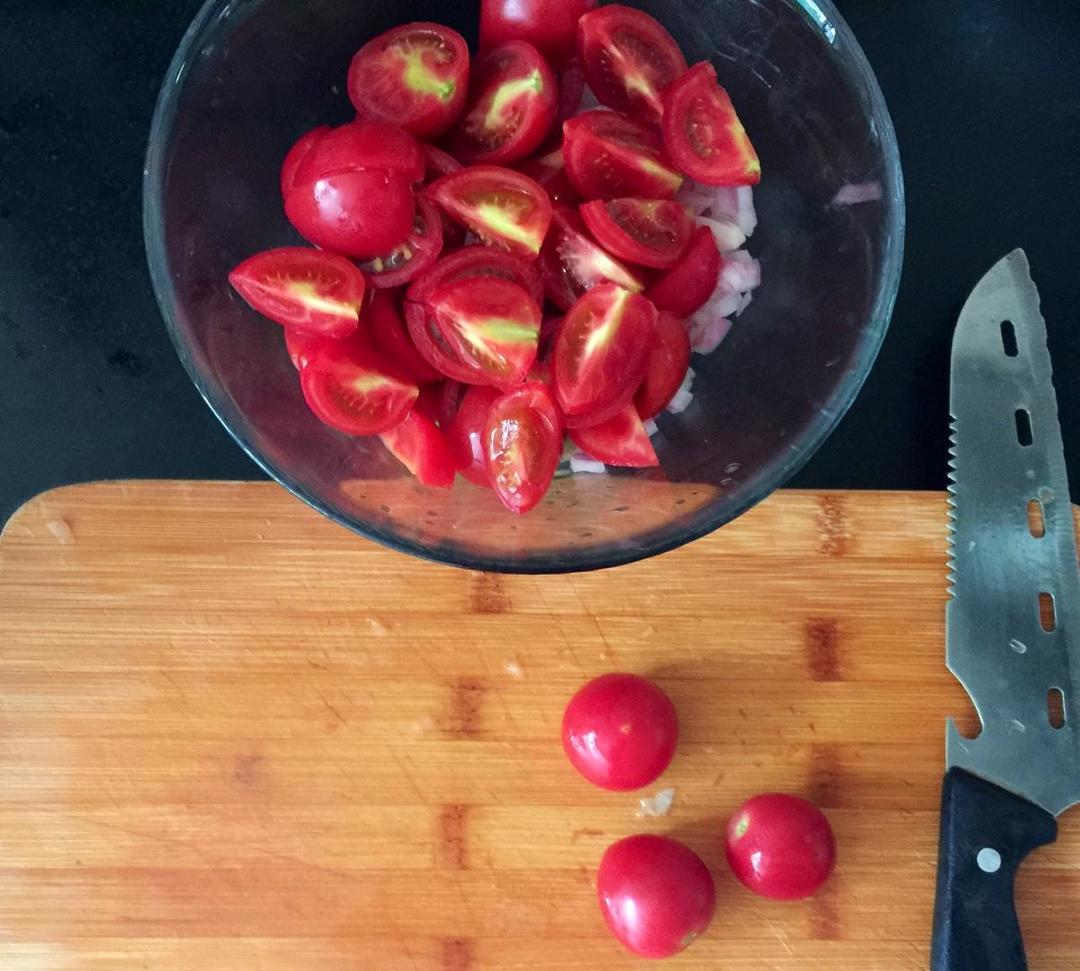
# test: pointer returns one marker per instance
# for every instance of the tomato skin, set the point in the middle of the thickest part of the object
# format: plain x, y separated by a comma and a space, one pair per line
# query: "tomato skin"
513, 103
609, 155
415, 75
570, 79
303, 347
647, 232
296, 156
355, 145
655, 893
668, 361
318, 293
704, 134
466, 434
419, 251
549, 25
780, 846
391, 338
630, 59
621, 441
686, 287
477, 262
552, 177
422, 449
522, 446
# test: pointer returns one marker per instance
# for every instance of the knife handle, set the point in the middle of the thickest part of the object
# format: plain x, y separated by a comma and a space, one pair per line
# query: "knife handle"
986, 832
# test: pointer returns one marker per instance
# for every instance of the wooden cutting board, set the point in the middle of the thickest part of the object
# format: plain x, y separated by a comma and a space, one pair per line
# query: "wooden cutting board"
233, 737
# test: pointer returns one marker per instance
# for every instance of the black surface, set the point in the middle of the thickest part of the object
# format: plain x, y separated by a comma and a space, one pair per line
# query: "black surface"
975, 923
986, 100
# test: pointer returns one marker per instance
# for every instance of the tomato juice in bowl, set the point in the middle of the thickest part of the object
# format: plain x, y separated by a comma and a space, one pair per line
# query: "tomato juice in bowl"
250, 78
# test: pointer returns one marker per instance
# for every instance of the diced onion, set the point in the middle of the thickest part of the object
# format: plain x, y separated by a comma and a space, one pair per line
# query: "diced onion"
727, 234
707, 332
582, 463
744, 302
740, 272
681, 401
746, 214
851, 194
651, 428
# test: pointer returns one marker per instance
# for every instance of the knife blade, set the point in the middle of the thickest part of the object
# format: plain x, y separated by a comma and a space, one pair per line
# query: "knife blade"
1012, 621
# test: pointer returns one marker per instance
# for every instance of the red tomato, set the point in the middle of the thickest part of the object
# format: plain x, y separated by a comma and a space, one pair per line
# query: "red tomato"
355, 390
303, 348
416, 76
503, 207
571, 82
630, 59
522, 445
643, 231
669, 358
621, 441
703, 133
610, 156
571, 264
512, 105
781, 847
477, 262
389, 336
416, 254
297, 154
350, 147
466, 434
438, 163
318, 293
601, 352
422, 449
549, 25
655, 893
620, 731
549, 171
688, 285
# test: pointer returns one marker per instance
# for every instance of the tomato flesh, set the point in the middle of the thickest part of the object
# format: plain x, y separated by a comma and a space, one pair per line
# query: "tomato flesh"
391, 338
303, 289
522, 446
668, 361
422, 449
416, 76
549, 25
780, 846
465, 434
630, 59
513, 105
647, 232
503, 207
477, 263
610, 156
620, 441
703, 133
416, 254
687, 286
655, 893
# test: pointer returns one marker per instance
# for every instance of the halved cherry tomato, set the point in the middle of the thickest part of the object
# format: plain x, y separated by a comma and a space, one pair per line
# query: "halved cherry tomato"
522, 445
388, 334
297, 154
549, 25
703, 133
355, 390
572, 264
353, 146
303, 348
621, 441
688, 285
439, 163
511, 108
466, 434
503, 207
416, 76
416, 254
477, 262
630, 59
549, 171
648, 232
669, 357
611, 156
422, 449
601, 352
318, 293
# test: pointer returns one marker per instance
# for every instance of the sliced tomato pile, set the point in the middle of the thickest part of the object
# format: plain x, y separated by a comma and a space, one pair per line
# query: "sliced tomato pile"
493, 269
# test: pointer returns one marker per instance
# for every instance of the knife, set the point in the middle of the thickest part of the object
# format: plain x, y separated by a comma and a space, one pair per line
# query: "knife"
1012, 627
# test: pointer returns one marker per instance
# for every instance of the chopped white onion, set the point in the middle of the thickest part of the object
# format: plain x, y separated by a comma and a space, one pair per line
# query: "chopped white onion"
722, 303
727, 234
580, 462
651, 428
706, 333
744, 302
658, 805
740, 272
682, 398
746, 214
851, 194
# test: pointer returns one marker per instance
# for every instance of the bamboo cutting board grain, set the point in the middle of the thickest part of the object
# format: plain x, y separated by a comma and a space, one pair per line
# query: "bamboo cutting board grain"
234, 737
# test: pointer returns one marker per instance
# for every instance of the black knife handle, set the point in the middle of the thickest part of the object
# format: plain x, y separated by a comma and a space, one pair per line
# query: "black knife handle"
975, 924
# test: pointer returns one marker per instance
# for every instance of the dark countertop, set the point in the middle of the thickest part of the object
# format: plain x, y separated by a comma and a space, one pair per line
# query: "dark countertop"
986, 100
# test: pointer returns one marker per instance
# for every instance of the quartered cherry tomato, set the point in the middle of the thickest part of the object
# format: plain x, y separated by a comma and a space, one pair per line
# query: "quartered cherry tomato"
465, 433
703, 133
549, 171
416, 76
601, 353
610, 156
422, 449
390, 337
669, 358
780, 846
303, 289
619, 731
419, 251
630, 59
688, 285
503, 207
648, 232
571, 264
549, 25
303, 347
355, 390
438, 163
512, 105
477, 262
655, 893
356, 145
522, 445
297, 154
621, 441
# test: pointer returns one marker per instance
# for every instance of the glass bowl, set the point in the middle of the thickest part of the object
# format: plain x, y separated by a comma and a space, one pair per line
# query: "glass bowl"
250, 76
